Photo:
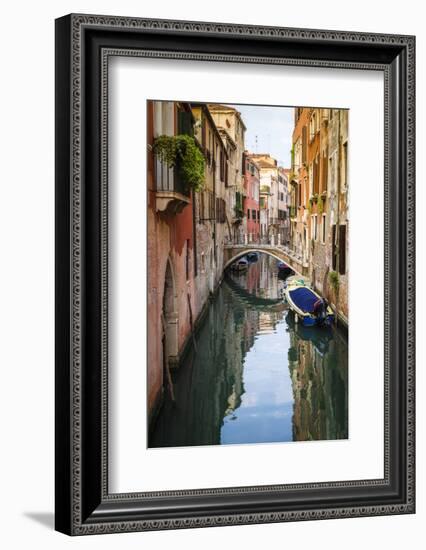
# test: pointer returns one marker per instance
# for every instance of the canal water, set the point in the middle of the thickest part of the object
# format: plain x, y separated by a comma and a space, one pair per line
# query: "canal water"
256, 376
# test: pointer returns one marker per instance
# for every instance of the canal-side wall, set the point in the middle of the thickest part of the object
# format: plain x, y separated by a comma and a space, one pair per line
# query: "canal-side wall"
185, 244
170, 258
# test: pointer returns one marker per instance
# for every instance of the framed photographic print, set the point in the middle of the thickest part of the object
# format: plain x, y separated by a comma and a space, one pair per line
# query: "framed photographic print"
234, 274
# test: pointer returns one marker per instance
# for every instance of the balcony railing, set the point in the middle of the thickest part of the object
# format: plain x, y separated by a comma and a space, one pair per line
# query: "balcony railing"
169, 179
172, 193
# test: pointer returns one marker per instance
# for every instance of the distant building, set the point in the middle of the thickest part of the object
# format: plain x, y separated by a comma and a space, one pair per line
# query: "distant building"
268, 195
251, 199
283, 207
232, 129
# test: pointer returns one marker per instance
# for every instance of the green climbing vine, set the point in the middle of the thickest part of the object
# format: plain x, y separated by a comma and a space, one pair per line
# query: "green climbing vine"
182, 152
333, 278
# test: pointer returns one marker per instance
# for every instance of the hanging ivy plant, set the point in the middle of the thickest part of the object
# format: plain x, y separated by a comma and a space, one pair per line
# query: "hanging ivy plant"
182, 152
333, 278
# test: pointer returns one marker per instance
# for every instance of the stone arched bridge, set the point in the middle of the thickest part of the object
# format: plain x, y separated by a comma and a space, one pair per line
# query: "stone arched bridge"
234, 251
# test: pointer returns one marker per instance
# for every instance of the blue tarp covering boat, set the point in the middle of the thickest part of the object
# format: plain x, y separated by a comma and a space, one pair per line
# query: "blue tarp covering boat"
304, 298
308, 306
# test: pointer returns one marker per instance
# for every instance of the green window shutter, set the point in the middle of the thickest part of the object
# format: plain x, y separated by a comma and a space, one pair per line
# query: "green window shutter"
185, 123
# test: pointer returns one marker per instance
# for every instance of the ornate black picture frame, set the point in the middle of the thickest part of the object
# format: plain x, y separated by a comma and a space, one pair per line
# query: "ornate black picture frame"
83, 45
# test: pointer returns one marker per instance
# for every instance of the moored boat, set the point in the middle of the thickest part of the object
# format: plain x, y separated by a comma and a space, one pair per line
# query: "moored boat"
308, 306
240, 265
284, 270
252, 256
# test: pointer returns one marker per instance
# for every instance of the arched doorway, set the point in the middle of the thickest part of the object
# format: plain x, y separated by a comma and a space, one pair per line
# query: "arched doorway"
170, 318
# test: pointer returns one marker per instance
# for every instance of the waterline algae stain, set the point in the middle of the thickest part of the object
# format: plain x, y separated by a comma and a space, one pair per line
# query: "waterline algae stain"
255, 375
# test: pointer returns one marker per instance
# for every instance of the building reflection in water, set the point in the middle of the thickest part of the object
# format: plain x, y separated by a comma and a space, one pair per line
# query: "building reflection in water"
256, 376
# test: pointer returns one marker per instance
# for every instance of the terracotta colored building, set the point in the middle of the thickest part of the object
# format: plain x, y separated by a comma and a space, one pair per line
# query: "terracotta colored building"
186, 234
170, 249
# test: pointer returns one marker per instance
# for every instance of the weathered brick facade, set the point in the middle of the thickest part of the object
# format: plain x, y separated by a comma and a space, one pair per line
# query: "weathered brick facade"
319, 200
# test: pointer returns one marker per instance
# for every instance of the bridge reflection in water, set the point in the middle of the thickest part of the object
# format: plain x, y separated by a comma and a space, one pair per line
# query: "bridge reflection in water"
256, 376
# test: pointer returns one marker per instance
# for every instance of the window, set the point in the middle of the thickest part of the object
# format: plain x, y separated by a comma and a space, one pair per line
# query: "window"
331, 174
324, 175
297, 155
248, 214
342, 249
258, 215
315, 176
253, 214
211, 206
220, 210
185, 123
222, 166
304, 143
311, 179
339, 249
312, 126
201, 213
314, 221
333, 247
323, 229
345, 165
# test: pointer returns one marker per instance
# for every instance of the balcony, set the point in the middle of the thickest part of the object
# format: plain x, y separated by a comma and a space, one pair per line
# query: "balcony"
172, 194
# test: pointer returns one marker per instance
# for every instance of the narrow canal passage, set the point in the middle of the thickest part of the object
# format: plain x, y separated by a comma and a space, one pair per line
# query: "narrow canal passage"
256, 376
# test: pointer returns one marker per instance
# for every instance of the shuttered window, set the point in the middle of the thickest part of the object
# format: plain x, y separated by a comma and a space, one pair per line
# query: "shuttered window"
342, 249
185, 123
316, 177
333, 248
324, 172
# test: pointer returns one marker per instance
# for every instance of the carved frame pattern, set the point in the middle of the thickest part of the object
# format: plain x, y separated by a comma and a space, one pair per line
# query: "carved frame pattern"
71, 517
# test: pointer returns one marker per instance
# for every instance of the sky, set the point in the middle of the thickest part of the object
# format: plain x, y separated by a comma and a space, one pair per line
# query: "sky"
273, 127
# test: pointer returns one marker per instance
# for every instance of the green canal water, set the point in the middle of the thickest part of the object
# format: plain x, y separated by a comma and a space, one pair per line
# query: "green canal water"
256, 376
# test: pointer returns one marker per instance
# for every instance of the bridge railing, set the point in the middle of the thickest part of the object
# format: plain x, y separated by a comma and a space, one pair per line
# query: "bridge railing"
252, 239
242, 241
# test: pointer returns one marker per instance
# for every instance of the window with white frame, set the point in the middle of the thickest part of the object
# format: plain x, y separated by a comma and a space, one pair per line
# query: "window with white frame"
312, 126
297, 154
